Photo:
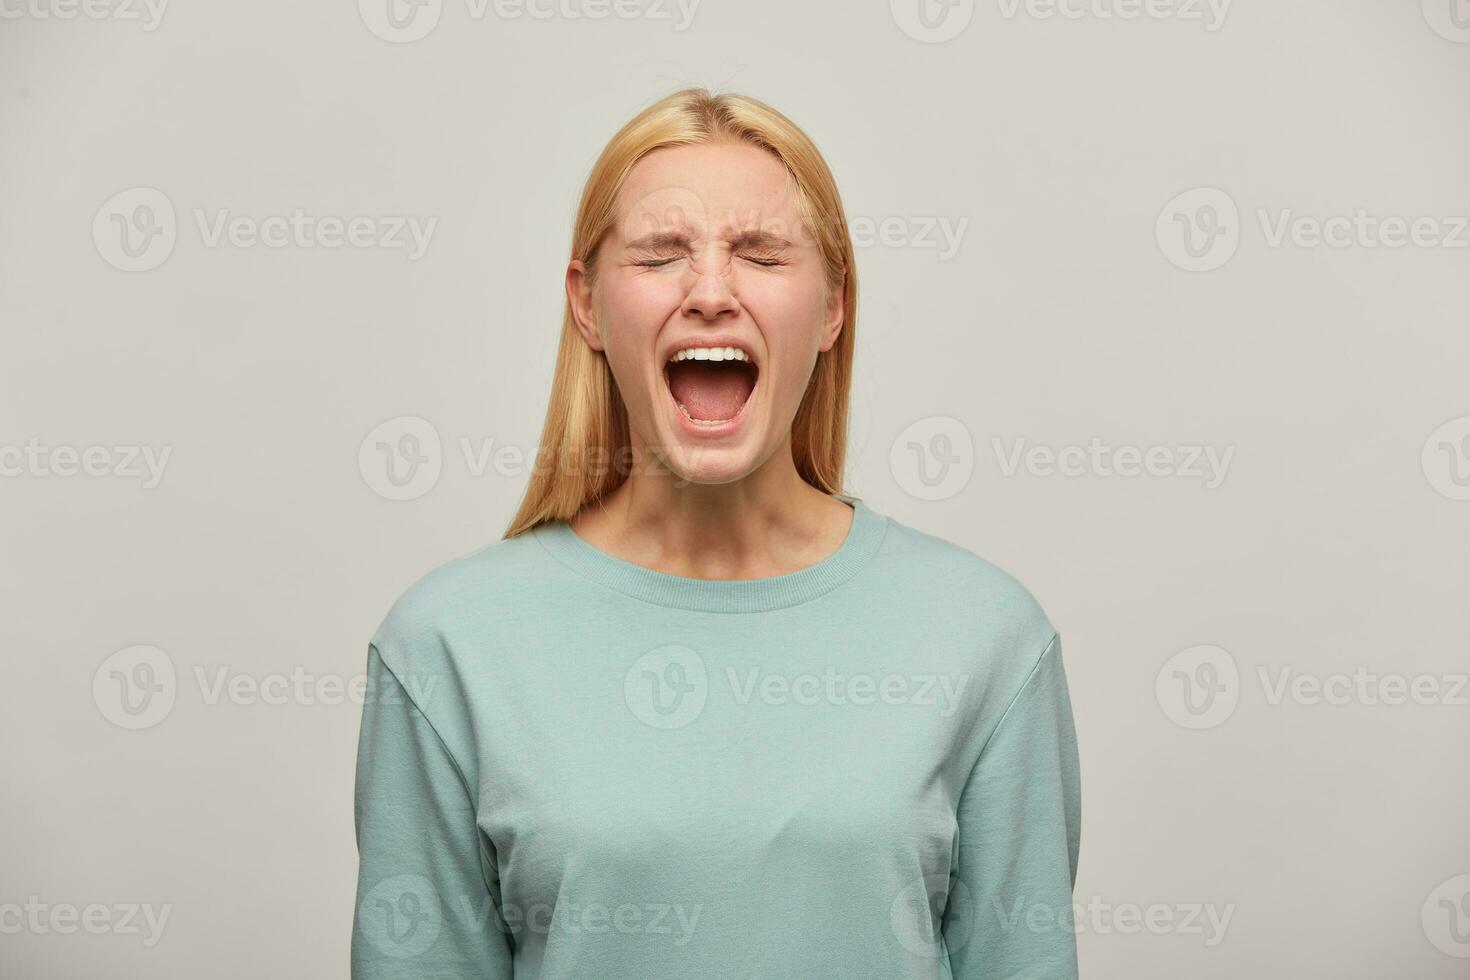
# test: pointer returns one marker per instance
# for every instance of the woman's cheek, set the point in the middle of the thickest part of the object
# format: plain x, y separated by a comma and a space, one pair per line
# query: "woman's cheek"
632, 319
789, 318
784, 297
645, 303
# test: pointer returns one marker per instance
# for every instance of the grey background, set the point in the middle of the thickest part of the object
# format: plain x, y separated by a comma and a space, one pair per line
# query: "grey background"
1333, 834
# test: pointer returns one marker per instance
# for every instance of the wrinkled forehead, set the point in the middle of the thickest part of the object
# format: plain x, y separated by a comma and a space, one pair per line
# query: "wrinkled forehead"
710, 191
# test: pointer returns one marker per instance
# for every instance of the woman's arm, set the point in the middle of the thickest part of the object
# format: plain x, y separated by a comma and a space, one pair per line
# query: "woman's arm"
1020, 819
427, 892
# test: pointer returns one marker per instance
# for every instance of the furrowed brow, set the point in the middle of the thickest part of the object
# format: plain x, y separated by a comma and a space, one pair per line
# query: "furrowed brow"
661, 239
754, 238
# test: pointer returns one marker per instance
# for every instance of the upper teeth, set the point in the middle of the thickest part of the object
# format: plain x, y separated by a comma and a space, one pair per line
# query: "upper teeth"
710, 354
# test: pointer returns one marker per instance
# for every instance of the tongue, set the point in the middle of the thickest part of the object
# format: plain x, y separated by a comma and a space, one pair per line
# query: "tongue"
710, 390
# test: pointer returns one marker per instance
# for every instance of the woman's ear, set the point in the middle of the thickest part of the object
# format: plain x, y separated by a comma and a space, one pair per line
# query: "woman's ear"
836, 315
580, 299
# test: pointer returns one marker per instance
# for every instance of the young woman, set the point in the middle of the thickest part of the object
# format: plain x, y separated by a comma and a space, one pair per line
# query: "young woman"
700, 713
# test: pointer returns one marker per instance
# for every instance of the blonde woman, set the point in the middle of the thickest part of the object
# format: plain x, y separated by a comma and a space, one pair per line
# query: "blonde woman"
700, 713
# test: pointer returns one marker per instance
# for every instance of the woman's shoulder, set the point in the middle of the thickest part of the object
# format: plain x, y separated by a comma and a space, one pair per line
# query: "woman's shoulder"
485, 585
960, 576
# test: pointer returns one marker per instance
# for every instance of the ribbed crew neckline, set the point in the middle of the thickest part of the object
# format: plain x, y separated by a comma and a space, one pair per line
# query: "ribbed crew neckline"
720, 595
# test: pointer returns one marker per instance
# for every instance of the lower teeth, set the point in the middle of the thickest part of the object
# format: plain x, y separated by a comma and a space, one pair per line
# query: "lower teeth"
700, 421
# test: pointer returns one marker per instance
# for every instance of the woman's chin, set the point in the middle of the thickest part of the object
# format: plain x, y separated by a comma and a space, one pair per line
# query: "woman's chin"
708, 464
700, 458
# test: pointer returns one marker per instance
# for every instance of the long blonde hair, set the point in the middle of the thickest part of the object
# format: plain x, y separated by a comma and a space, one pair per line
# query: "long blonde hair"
585, 445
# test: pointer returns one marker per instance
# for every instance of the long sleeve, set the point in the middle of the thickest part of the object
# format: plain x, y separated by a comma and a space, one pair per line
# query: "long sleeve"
1010, 914
427, 896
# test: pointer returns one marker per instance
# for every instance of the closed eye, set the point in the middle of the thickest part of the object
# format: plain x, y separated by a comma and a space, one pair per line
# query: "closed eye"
657, 263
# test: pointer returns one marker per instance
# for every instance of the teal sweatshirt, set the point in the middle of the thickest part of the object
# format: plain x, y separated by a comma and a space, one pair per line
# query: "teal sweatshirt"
571, 765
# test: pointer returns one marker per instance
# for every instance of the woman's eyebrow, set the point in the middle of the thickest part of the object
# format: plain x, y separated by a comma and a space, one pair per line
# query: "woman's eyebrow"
753, 238
661, 239
756, 238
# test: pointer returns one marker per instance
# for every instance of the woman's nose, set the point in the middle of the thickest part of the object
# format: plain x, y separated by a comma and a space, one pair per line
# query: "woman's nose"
710, 294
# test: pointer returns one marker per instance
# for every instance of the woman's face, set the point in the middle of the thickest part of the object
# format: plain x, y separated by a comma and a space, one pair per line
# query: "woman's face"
709, 253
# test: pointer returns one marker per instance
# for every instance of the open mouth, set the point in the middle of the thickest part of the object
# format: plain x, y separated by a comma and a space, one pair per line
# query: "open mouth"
711, 385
